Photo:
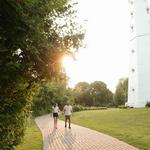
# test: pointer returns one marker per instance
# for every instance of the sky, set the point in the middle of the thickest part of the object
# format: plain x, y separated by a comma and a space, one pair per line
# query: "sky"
106, 55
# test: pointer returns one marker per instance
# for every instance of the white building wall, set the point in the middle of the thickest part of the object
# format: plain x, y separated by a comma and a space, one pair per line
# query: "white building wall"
139, 78
133, 77
143, 70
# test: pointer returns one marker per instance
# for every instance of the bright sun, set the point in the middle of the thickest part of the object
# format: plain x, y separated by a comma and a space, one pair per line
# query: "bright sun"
67, 61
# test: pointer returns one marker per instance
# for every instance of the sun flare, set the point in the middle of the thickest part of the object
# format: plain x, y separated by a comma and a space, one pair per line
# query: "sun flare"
67, 61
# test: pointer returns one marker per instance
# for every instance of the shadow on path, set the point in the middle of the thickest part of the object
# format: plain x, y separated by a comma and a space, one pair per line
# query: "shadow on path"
68, 139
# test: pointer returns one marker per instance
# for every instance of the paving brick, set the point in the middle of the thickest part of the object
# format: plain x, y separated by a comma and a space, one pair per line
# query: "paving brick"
76, 138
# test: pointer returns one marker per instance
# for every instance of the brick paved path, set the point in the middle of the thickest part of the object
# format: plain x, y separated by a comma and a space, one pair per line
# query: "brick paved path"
76, 138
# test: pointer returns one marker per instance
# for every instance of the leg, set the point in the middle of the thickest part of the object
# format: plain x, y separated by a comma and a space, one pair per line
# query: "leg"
65, 121
56, 122
69, 122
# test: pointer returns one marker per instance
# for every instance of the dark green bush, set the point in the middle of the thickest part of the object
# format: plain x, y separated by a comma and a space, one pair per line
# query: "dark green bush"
14, 110
78, 108
96, 108
122, 107
81, 108
147, 104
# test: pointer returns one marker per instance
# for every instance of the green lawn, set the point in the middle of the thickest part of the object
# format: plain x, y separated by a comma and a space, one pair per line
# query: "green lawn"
32, 139
129, 125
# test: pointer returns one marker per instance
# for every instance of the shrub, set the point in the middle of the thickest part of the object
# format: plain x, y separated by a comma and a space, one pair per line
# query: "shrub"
147, 104
122, 107
14, 111
81, 108
78, 108
96, 108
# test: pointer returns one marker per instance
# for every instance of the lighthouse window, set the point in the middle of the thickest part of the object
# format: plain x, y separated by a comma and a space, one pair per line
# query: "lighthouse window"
131, 14
131, 2
132, 28
132, 50
133, 70
148, 10
133, 89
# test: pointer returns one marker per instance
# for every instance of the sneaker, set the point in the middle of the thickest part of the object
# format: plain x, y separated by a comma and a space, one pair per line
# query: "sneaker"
69, 127
65, 126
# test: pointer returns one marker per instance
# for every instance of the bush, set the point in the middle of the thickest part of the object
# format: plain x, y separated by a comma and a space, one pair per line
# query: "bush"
81, 108
122, 107
96, 108
147, 104
14, 111
78, 108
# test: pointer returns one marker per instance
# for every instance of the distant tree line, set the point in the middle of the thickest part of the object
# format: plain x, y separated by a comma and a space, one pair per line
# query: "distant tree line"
97, 94
94, 94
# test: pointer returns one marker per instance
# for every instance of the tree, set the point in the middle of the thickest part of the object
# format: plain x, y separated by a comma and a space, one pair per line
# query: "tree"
94, 94
120, 96
32, 43
51, 92
101, 95
82, 94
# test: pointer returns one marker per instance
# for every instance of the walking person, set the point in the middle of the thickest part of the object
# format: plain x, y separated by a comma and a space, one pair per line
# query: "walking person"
67, 111
55, 111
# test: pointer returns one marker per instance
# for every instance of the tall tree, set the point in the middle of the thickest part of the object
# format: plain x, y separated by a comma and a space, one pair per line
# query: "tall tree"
82, 94
120, 96
101, 95
34, 36
94, 94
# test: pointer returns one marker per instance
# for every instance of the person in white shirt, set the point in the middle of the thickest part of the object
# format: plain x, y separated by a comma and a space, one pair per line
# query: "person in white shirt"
55, 110
67, 111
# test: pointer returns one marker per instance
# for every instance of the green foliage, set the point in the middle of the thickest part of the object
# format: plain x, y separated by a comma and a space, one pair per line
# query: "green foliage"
95, 108
122, 107
147, 104
14, 111
101, 96
77, 108
94, 94
120, 96
32, 44
50, 93
82, 94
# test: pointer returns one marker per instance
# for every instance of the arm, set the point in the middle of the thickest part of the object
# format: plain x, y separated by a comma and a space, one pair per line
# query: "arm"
59, 111
71, 110
52, 109
64, 109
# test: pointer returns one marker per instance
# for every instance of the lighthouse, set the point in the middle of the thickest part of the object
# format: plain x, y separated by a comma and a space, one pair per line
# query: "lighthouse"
139, 68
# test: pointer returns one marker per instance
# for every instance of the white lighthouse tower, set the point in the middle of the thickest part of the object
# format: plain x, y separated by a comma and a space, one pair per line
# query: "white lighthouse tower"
139, 73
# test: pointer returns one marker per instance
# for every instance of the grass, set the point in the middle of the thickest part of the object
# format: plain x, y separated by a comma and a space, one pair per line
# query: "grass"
32, 139
129, 125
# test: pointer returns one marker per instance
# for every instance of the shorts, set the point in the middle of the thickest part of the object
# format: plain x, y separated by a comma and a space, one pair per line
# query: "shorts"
55, 115
67, 116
